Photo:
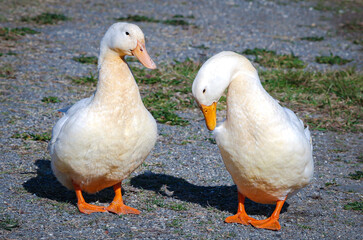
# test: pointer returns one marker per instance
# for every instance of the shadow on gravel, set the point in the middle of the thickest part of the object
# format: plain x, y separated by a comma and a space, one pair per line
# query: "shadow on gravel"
223, 198
45, 185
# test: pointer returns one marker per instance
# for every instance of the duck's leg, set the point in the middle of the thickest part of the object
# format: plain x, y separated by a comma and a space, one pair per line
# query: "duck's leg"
241, 216
117, 206
83, 206
272, 222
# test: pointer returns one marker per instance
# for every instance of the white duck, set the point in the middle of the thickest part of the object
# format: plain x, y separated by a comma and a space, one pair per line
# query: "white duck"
101, 139
264, 146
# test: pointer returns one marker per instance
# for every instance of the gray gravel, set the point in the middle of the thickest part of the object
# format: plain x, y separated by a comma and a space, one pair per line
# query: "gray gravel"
182, 189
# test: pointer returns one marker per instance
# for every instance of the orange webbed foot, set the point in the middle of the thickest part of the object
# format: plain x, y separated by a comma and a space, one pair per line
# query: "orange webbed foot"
269, 223
239, 218
120, 208
89, 208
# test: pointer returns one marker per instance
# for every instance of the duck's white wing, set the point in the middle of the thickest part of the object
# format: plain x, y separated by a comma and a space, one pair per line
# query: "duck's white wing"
299, 124
68, 111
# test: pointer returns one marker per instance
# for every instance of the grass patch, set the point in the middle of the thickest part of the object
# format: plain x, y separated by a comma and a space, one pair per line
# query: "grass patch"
356, 176
313, 39
334, 98
270, 59
304, 226
8, 223
15, 33
177, 20
46, 18
332, 60
86, 59
167, 89
357, 206
178, 207
91, 79
50, 99
42, 137
212, 140
175, 223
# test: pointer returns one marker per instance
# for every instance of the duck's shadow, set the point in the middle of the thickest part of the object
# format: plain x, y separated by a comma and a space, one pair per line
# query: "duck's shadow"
224, 198
45, 185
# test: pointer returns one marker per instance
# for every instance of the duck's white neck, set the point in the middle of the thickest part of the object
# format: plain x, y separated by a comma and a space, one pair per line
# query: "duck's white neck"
248, 103
116, 83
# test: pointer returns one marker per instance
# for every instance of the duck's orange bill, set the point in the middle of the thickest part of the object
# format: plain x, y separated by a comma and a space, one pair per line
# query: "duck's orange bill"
141, 54
210, 115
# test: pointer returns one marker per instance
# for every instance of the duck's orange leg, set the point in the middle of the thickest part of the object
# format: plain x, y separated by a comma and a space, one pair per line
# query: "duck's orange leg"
83, 206
241, 216
272, 222
117, 206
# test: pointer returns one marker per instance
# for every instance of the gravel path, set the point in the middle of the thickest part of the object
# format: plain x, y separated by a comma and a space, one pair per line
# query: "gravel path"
182, 189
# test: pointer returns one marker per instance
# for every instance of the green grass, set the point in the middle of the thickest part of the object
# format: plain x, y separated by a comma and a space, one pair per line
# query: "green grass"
15, 33
356, 176
42, 137
270, 59
50, 99
175, 223
175, 21
46, 18
182, 16
304, 226
91, 79
178, 207
8, 223
332, 60
335, 97
168, 91
163, 109
86, 59
330, 100
313, 38
357, 206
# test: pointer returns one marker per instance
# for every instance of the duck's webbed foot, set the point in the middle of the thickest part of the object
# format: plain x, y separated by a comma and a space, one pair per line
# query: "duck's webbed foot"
271, 223
87, 208
117, 206
84, 207
241, 216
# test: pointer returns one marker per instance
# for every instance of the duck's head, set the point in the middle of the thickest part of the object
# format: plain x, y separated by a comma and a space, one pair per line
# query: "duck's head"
212, 80
127, 39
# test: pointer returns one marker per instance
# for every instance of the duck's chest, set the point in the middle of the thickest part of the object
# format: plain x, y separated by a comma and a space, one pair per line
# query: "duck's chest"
108, 132
254, 156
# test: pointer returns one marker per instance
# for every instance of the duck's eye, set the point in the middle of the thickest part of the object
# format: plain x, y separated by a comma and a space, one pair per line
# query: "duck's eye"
127, 33
204, 90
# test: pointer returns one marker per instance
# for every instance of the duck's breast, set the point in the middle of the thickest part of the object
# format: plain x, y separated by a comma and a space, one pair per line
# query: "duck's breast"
266, 167
94, 145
